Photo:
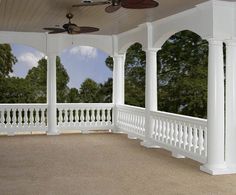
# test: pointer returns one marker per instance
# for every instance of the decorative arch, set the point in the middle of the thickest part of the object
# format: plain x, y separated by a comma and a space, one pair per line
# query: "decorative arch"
161, 41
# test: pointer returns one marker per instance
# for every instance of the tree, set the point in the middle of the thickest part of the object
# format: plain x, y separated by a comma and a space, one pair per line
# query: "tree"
105, 91
182, 75
38, 77
134, 75
88, 92
16, 90
7, 60
73, 96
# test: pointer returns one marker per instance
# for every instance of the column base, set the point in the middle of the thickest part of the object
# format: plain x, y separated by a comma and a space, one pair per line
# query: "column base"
132, 137
53, 133
176, 155
218, 169
148, 144
10, 134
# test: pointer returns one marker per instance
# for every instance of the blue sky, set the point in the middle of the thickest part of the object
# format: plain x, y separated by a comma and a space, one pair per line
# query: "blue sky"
80, 62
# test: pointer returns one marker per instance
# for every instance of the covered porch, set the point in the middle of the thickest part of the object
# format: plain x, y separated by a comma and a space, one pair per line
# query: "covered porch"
210, 142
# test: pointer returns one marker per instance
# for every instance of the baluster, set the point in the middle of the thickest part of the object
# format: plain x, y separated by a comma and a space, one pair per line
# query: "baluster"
185, 135
167, 131
76, 116
14, 120
190, 138
71, 118
163, 130
109, 112
172, 132
180, 135
37, 122
195, 139
66, 118
98, 118
43, 121
31, 116
8, 117
60, 117
87, 117
159, 128
175, 133
1, 119
205, 141
20, 118
200, 149
82, 116
92, 116
103, 116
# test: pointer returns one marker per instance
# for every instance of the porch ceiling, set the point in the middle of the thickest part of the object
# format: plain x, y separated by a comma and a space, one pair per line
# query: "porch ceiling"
33, 15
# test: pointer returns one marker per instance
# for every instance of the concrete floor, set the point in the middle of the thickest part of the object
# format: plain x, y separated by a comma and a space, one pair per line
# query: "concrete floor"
99, 164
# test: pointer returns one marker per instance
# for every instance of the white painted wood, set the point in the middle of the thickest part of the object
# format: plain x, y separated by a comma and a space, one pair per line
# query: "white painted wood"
215, 138
52, 94
230, 103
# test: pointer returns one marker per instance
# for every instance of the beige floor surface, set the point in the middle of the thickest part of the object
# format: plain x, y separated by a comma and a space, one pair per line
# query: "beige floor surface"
99, 164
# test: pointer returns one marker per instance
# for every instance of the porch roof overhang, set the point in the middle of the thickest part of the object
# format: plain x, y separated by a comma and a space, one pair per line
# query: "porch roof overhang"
151, 27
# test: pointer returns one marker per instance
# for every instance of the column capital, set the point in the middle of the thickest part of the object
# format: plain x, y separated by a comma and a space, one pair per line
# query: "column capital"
119, 55
230, 42
52, 54
214, 41
151, 49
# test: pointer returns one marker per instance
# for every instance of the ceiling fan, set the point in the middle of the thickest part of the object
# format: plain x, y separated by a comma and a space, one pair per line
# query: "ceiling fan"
71, 28
114, 5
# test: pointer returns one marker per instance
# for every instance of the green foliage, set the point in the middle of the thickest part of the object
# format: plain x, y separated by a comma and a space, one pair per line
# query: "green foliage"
16, 90
88, 92
134, 75
7, 60
38, 78
73, 96
182, 75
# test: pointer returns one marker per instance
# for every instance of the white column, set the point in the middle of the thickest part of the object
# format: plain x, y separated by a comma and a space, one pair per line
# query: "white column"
150, 94
119, 80
215, 110
52, 94
118, 85
231, 105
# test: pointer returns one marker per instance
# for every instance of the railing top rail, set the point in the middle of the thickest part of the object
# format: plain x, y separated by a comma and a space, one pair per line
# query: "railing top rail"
173, 116
86, 105
130, 107
24, 104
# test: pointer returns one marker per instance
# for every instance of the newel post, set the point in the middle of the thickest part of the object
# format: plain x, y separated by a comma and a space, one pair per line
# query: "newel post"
215, 110
52, 94
118, 84
150, 94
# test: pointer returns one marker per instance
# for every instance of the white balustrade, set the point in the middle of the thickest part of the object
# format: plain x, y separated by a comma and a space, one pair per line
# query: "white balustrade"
23, 118
131, 119
180, 134
84, 116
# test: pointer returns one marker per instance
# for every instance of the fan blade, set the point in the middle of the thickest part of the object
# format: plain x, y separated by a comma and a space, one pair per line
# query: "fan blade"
56, 32
84, 29
92, 4
88, 29
143, 4
112, 8
53, 29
